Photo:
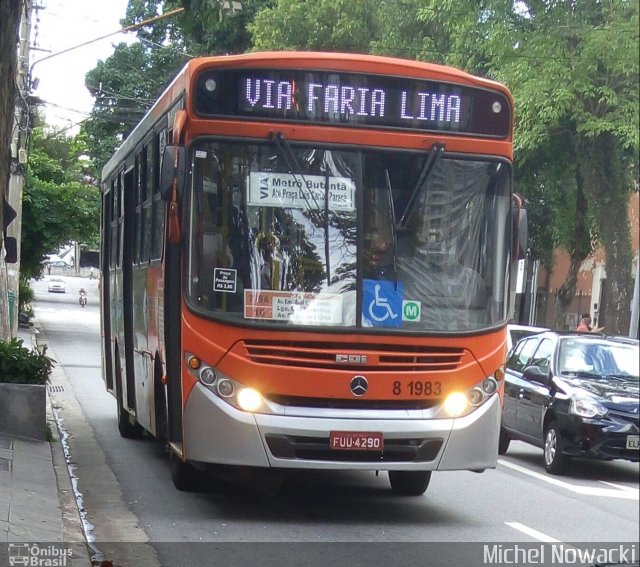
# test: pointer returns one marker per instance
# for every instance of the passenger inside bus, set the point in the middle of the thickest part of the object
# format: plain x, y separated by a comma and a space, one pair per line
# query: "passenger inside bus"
453, 295
379, 226
270, 263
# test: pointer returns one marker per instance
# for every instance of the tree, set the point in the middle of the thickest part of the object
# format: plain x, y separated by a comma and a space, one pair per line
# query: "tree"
127, 83
124, 87
573, 70
321, 25
60, 203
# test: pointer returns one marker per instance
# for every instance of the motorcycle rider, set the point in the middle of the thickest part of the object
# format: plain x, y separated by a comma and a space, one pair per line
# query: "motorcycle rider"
82, 297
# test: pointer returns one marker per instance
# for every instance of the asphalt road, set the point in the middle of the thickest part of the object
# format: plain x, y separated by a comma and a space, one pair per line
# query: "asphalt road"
316, 518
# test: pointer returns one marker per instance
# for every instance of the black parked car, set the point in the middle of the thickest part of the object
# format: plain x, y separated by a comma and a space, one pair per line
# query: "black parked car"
574, 395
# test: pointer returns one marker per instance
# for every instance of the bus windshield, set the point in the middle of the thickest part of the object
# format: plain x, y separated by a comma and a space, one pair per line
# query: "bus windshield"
308, 235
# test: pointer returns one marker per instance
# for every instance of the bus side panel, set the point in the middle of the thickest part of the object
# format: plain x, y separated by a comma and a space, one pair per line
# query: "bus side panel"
142, 362
155, 325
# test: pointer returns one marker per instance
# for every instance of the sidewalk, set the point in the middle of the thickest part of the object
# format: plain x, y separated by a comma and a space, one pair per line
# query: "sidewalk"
39, 515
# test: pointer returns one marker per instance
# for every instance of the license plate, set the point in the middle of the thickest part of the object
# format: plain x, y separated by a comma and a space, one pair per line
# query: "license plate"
356, 441
633, 442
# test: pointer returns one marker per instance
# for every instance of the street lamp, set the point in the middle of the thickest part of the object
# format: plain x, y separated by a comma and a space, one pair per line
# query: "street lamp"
33, 82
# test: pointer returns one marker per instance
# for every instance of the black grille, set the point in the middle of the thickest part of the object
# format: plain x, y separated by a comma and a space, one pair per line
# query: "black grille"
317, 449
352, 404
625, 416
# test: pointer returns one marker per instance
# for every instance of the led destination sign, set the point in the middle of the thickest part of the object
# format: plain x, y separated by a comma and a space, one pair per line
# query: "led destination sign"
352, 100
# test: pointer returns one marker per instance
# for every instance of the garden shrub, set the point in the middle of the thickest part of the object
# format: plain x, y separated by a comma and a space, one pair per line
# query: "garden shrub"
19, 365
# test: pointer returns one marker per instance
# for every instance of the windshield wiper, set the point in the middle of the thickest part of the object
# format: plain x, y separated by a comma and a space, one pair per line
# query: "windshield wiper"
436, 151
623, 376
282, 144
581, 374
394, 240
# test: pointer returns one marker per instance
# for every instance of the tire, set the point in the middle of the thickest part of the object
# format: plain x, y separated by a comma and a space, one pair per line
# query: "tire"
554, 460
409, 483
162, 418
185, 478
127, 429
503, 442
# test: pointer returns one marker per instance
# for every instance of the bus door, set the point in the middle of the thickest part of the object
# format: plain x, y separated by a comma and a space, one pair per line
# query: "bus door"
127, 287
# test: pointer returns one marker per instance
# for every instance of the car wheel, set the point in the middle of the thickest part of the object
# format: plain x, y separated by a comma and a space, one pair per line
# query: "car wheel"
554, 460
503, 442
409, 483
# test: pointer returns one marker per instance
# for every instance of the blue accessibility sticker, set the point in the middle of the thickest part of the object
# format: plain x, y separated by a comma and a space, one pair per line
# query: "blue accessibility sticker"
382, 303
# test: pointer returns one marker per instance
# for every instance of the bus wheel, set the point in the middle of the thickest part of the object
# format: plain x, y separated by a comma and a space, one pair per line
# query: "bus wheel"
185, 477
128, 427
162, 419
409, 483
503, 442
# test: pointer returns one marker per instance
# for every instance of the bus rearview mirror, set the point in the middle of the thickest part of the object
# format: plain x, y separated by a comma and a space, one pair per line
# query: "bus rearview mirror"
520, 234
173, 168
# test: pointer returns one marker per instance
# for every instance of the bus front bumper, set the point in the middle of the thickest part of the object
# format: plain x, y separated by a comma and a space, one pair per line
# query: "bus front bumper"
216, 432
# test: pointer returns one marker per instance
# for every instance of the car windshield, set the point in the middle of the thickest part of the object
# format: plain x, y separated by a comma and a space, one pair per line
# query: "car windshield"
378, 239
597, 358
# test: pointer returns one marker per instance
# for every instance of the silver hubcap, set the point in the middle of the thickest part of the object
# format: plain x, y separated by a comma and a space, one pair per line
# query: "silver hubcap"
550, 446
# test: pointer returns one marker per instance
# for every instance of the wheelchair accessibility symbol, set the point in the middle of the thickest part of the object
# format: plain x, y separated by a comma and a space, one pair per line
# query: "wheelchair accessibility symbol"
382, 305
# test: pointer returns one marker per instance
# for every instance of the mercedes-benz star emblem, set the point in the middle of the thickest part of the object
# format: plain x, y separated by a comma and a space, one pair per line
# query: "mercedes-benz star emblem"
359, 386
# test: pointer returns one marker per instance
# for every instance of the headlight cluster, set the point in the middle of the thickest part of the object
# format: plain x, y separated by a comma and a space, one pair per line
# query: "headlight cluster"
234, 393
585, 407
458, 404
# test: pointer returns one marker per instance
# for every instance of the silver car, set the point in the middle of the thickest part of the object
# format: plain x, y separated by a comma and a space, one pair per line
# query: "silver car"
56, 285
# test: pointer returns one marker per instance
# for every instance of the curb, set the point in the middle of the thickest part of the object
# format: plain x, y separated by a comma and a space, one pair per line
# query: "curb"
73, 533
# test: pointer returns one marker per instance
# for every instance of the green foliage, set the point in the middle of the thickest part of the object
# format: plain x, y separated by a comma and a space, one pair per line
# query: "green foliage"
124, 87
126, 84
25, 295
19, 365
60, 203
326, 25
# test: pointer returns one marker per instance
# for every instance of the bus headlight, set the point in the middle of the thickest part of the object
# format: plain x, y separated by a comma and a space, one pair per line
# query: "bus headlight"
234, 393
207, 376
225, 388
249, 399
456, 404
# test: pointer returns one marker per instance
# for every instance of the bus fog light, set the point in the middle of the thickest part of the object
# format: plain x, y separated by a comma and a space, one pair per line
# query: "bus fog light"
225, 388
489, 386
456, 404
249, 399
476, 396
208, 376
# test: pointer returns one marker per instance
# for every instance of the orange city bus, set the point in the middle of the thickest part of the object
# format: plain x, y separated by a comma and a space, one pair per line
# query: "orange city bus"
305, 262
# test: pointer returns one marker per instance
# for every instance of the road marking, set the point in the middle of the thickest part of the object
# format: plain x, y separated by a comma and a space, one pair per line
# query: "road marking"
619, 486
535, 534
626, 493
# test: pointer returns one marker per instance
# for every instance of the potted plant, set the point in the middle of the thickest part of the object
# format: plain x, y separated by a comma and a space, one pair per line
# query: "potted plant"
24, 374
